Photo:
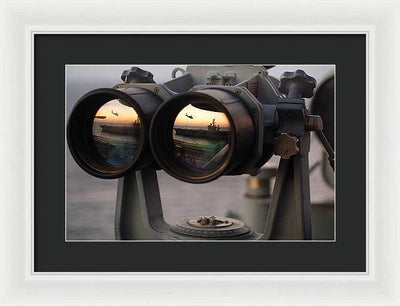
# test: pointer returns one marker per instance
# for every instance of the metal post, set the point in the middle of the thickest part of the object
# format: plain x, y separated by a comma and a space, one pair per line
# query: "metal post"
138, 212
289, 215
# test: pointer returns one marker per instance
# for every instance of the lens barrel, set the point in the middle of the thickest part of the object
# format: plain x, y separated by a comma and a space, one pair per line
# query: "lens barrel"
107, 131
200, 135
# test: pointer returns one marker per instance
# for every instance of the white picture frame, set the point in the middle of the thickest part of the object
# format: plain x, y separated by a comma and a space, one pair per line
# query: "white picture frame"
378, 19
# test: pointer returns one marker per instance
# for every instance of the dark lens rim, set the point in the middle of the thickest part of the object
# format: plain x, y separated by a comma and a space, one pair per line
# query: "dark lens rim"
80, 133
161, 141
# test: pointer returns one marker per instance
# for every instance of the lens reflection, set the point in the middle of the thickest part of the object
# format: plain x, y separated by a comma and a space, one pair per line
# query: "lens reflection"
201, 138
117, 132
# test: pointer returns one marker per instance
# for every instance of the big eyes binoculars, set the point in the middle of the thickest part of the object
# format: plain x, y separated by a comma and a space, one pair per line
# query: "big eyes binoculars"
207, 122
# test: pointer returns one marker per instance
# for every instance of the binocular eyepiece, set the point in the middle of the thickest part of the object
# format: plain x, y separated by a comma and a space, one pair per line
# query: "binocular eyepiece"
108, 130
211, 121
220, 136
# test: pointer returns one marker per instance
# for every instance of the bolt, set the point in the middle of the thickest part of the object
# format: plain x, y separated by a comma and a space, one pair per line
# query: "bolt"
156, 89
314, 123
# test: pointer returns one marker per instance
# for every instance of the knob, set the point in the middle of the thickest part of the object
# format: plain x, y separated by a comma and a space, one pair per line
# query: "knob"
297, 84
137, 75
285, 146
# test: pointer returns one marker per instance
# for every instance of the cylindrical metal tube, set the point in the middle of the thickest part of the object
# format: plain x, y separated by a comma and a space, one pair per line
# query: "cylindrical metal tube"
175, 154
120, 142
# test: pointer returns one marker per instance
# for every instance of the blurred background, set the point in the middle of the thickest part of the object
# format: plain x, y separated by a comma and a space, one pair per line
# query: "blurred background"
90, 202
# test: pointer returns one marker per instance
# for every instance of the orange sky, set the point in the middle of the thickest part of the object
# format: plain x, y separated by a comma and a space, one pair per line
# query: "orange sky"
125, 113
200, 117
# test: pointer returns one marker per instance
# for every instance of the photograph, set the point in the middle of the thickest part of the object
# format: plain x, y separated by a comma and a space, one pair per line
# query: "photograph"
200, 152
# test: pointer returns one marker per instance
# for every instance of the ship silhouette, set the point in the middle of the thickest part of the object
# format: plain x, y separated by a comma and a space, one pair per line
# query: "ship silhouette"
131, 129
213, 132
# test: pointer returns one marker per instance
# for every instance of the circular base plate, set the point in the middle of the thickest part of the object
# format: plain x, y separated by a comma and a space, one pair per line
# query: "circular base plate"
219, 227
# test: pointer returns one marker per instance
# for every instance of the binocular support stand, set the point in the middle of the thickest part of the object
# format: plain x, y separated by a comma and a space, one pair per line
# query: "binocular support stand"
139, 216
139, 213
289, 216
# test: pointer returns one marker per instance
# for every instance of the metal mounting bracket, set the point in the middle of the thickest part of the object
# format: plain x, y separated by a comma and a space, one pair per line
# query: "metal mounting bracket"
289, 216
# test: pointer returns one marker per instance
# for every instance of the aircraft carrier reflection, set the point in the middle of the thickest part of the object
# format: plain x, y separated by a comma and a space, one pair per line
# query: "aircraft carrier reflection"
201, 148
130, 129
213, 132
117, 133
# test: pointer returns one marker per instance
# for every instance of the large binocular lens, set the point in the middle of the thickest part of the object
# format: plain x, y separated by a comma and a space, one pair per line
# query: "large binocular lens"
198, 143
107, 130
198, 136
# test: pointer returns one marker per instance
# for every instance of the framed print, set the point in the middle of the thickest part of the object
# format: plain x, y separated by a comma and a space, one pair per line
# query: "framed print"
172, 152
208, 128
